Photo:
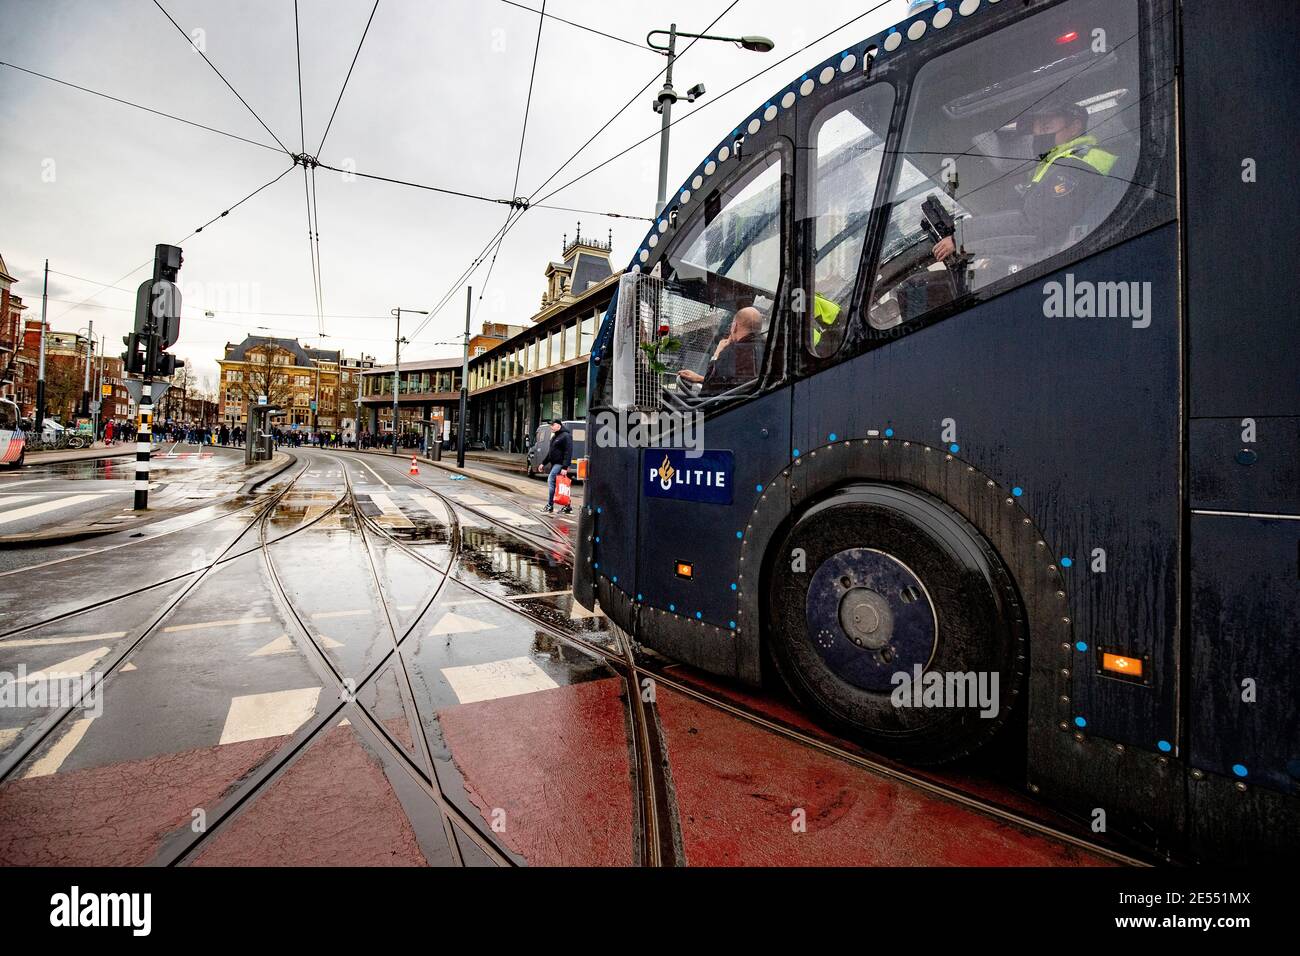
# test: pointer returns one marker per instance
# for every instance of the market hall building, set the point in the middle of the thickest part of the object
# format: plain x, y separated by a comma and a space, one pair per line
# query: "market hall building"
518, 379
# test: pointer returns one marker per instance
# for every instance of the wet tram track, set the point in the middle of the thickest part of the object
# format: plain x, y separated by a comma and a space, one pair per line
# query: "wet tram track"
266, 503
651, 746
29, 741
139, 537
658, 845
186, 848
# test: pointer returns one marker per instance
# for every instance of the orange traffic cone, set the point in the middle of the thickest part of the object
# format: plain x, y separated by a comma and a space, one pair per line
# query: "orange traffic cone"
415, 469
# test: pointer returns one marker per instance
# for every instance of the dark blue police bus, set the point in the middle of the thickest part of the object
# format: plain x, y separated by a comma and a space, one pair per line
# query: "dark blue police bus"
989, 321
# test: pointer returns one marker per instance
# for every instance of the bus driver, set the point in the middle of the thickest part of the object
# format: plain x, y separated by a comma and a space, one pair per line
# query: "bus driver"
1070, 174
737, 358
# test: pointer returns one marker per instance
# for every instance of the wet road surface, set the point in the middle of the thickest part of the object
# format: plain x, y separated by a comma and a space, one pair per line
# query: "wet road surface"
362, 666
69, 493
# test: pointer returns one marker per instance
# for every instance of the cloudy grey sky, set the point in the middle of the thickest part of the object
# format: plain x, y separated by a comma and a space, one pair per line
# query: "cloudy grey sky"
437, 97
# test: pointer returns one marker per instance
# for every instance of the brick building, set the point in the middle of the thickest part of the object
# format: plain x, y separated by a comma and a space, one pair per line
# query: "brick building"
316, 387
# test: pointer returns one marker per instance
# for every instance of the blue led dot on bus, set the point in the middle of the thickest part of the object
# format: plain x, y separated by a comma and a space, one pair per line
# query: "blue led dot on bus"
595, 564
598, 510
699, 615
954, 448
1081, 646
1239, 769
672, 607
889, 433
639, 597
598, 539
733, 585
731, 624
758, 488
796, 453
1017, 491
831, 436
1067, 562
1164, 746
1080, 722
740, 534
614, 579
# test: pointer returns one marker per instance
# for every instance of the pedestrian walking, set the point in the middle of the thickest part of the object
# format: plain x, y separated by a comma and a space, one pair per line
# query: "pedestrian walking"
557, 459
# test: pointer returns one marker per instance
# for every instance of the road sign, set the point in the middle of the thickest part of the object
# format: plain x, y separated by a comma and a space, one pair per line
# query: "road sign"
94, 407
106, 390
134, 386
261, 399
167, 307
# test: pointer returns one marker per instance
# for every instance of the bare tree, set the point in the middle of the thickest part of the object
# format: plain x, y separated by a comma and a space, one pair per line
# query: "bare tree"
261, 376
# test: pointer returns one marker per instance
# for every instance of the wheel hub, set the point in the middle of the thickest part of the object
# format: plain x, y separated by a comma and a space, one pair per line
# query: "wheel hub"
866, 618
869, 617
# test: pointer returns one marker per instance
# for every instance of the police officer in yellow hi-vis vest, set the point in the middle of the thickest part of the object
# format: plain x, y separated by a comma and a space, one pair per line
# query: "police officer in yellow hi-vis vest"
1071, 170
826, 315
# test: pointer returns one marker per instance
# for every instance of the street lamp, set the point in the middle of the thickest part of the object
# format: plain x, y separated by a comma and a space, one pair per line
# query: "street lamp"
663, 103
397, 361
85, 384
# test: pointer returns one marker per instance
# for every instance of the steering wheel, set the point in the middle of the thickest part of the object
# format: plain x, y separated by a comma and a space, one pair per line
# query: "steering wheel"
916, 259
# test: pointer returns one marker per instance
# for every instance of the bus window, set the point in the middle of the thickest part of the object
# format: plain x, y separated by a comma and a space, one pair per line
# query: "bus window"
720, 284
846, 145
1016, 147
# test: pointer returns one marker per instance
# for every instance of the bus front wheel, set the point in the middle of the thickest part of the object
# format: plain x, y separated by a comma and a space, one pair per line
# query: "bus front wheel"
895, 620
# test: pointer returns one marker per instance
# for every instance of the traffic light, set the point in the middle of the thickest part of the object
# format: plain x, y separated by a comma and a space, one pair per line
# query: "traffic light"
167, 365
136, 357
167, 261
157, 318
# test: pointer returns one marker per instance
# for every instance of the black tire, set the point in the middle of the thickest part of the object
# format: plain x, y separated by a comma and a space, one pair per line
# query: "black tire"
909, 579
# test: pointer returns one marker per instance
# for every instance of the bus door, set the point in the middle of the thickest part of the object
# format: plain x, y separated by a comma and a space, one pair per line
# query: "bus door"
1242, 110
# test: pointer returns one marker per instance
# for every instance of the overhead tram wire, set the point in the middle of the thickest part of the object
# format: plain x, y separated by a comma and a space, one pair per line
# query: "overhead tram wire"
716, 99
622, 109
455, 286
528, 103
313, 236
178, 242
297, 50
320, 269
580, 26
182, 32
403, 182
311, 247
346, 79
591, 212
519, 162
147, 109
501, 233
511, 216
